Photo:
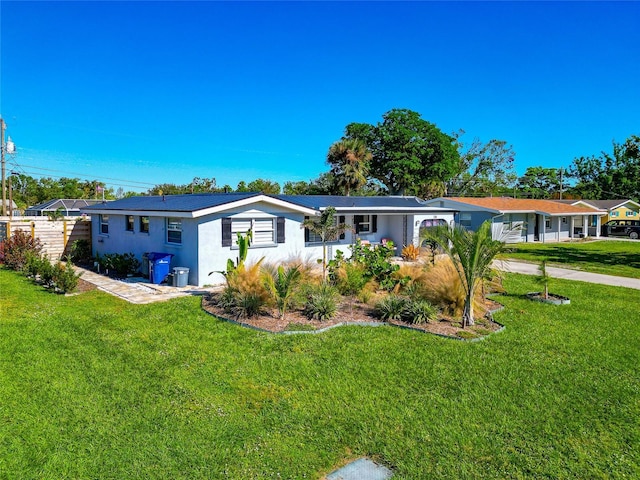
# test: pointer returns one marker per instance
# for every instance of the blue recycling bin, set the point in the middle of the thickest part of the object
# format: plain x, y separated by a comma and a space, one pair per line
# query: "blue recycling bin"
159, 266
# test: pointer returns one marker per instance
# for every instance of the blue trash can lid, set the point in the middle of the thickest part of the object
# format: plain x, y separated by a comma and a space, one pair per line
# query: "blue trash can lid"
157, 255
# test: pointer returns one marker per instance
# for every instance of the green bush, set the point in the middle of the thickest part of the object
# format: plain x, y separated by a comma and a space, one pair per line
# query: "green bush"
419, 312
14, 250
45, 272
65, 279
120, 263
322, 303
391, 307
32, 264
80, 251
247, 304
395, 307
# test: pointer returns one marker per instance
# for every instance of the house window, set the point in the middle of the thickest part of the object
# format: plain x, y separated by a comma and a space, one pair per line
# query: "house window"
174, 230
365, 223
631, 213
547, 223
616, 213
104, 224
465, 219
144, 224
266, 231
594, 221
564, 219
129, 223
311, 237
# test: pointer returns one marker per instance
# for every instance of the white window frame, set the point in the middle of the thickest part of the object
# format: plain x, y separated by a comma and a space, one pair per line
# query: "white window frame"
630, 213
365, 225
547, 223
174, 224
616, 213
104, 224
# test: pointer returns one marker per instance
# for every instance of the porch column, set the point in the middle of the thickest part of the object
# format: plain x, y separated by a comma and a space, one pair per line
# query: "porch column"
544, 228
571, 227
598, 225
585, 226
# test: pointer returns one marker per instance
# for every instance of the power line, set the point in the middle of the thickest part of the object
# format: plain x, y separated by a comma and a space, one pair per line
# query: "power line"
131, 182
119, 183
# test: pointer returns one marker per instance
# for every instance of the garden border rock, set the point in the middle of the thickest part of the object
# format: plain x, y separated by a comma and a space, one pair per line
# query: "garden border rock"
556, 300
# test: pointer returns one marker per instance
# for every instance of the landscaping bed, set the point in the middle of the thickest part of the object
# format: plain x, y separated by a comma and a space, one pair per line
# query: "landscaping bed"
358, 313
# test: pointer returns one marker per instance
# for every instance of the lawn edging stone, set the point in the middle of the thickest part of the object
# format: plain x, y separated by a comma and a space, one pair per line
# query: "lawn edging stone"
553, 299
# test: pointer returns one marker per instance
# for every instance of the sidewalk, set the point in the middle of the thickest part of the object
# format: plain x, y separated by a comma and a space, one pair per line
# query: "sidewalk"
532, 269
137, 290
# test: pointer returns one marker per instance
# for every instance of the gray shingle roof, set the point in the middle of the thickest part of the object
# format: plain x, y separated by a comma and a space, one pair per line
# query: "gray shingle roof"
200, 201
173, 203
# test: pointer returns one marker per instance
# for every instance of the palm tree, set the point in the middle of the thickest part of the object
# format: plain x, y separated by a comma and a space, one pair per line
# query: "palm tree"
282, 282
349, 160
326, 227
472, 254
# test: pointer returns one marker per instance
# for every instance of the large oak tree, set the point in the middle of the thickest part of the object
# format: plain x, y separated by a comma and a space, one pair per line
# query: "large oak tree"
409, 154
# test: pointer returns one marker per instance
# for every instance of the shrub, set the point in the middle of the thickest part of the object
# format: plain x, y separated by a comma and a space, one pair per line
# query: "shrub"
45, 272
322, 303
377, 264
31, 264
442, 286
13, 250
392, 307
419, 312
351, 278
65, 278
410, 253
245, 294
282, 284
120, 263
80, 251
247, 304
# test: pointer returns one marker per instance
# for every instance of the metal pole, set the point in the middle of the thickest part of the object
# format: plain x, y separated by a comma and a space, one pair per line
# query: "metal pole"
4, 178
10, 198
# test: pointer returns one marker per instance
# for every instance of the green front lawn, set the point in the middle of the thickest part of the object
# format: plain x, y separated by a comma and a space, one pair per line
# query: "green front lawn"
93, 387
605, 256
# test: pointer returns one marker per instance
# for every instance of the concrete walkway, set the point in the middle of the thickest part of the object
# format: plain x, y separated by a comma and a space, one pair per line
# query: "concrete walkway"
567, 274
138, 290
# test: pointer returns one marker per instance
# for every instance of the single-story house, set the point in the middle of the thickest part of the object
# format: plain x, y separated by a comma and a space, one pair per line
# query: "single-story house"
616, 209
69, 207
530, 220
199, 230
12, 208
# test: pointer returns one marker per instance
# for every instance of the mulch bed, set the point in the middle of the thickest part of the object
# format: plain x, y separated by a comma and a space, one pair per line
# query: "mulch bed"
356, 313
84, 286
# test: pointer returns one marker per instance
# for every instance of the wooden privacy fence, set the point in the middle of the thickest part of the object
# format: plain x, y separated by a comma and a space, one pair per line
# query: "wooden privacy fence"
56, 237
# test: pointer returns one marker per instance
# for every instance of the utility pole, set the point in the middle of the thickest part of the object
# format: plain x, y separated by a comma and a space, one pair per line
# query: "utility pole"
560, 183
4, 168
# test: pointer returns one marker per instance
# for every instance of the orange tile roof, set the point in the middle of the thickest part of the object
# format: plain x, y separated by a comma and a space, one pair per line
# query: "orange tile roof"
507, 204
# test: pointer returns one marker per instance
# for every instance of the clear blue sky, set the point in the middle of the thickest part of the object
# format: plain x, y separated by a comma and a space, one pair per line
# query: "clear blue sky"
161, 92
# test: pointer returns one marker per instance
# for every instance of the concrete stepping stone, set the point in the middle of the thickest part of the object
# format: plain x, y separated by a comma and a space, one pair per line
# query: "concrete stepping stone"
361, 469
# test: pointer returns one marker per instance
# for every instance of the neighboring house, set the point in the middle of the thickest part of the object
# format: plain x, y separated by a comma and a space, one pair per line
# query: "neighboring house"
12, 208
69, 207
617, 209
199, 230
535, 220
